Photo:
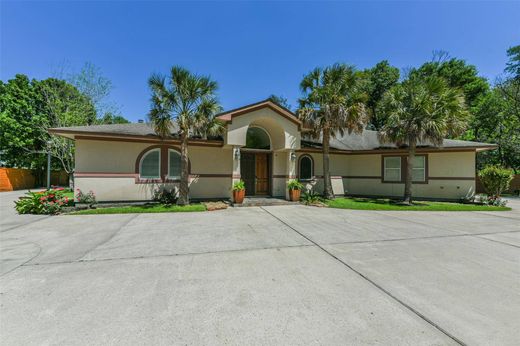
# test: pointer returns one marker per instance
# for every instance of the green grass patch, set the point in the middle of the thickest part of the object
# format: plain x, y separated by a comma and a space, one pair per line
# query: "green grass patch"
386, 204
142, 209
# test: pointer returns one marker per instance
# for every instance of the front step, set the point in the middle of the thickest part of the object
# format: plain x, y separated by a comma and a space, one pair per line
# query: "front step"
263, 202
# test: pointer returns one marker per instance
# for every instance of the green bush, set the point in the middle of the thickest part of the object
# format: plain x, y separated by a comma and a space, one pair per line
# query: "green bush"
42, 202
495, 180
294, 185
165, 196
310, 197
88, 198
239, 185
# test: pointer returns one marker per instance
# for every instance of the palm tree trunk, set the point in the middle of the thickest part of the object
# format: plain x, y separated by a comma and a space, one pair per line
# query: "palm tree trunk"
409, 171
327, 183
185, 174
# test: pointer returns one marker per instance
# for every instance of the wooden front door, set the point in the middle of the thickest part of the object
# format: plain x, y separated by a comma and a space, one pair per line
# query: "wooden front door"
262, 174
254, 171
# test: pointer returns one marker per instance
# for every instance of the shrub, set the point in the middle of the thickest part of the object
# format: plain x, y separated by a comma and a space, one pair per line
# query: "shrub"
495, 180
42, 202
310, 197
490, 200
166, 196
239, 185
86, 198
294, 185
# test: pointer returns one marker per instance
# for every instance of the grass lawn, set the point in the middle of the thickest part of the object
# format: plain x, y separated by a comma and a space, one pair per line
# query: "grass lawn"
140, 209
386, 204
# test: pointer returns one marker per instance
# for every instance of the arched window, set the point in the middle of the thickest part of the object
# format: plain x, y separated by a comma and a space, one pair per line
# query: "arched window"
174, 164
150, 167
306, 168
257, 138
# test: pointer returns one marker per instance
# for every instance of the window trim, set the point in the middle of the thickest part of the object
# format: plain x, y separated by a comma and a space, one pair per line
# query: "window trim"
141, 163
424, 170
164, 165
299, 167
404, 162
400, 168
168, 176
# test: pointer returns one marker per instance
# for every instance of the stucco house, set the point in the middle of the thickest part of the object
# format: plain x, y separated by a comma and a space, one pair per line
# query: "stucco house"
265, 145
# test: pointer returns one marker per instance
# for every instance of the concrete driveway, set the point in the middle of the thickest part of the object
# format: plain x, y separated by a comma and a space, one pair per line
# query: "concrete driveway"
281, 275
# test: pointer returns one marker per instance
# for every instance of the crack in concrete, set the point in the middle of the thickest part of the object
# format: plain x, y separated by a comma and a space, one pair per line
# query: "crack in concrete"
167, 255
127, 222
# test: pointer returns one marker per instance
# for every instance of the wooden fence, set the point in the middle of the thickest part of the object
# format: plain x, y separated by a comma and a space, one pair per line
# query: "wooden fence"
20, 179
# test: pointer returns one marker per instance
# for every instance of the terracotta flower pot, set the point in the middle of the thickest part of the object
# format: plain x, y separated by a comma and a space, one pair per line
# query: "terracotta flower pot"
238, 196
294, 195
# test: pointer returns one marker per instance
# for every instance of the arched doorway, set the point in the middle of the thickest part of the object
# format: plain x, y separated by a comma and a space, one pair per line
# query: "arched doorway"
255, 162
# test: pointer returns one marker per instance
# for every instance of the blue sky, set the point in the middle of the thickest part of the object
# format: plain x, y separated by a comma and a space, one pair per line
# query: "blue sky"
253, 49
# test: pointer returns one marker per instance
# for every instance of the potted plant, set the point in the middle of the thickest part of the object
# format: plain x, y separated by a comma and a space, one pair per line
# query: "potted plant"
295, 188
239, 191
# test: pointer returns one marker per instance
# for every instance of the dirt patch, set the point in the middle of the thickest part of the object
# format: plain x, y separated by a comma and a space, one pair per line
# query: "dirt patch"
210, 206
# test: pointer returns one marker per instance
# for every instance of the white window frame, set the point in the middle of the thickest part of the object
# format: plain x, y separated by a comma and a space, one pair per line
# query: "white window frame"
422, 168
170, 176
141, 165
385, 179
300, 167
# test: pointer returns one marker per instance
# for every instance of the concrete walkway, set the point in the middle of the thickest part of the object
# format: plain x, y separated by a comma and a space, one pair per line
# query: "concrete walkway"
271, 275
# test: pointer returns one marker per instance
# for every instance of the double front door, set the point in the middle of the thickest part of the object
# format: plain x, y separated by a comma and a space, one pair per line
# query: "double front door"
254, 171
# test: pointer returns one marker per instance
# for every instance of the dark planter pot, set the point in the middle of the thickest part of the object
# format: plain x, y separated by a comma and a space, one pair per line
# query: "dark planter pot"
238, 196
294, 195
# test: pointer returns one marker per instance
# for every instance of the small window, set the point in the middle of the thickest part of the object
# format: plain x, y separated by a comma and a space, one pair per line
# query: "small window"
150, 165
419, 169
174, 164
392, 171
306, 169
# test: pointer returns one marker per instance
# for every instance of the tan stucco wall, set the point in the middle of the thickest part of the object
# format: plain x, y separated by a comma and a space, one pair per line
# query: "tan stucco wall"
93, 156
284, 133
113, 157
440, 165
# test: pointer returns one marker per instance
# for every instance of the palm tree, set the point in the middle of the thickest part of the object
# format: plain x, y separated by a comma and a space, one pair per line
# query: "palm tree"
189, 101
332, 103
423, 110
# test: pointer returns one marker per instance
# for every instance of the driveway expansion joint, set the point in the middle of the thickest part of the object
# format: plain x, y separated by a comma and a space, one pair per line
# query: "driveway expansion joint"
388, 293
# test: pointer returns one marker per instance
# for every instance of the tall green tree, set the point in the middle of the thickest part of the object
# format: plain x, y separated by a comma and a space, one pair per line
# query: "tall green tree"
188, 101
63, 105
21, 121
458, 74
332, 104
280, 100
27, 109
378, 80
422, 109
494, 122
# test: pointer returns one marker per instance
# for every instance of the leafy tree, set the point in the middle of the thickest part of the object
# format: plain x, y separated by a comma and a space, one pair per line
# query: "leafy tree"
21, 122
280, 100
28, 109
497, 118
91, 82
422, 109
494, 122
332, 103
110, 118
63, 105
513, 65
458, 74
187, 100
379, 79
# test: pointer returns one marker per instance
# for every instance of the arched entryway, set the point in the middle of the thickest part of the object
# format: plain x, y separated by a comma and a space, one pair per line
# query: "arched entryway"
256, 162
